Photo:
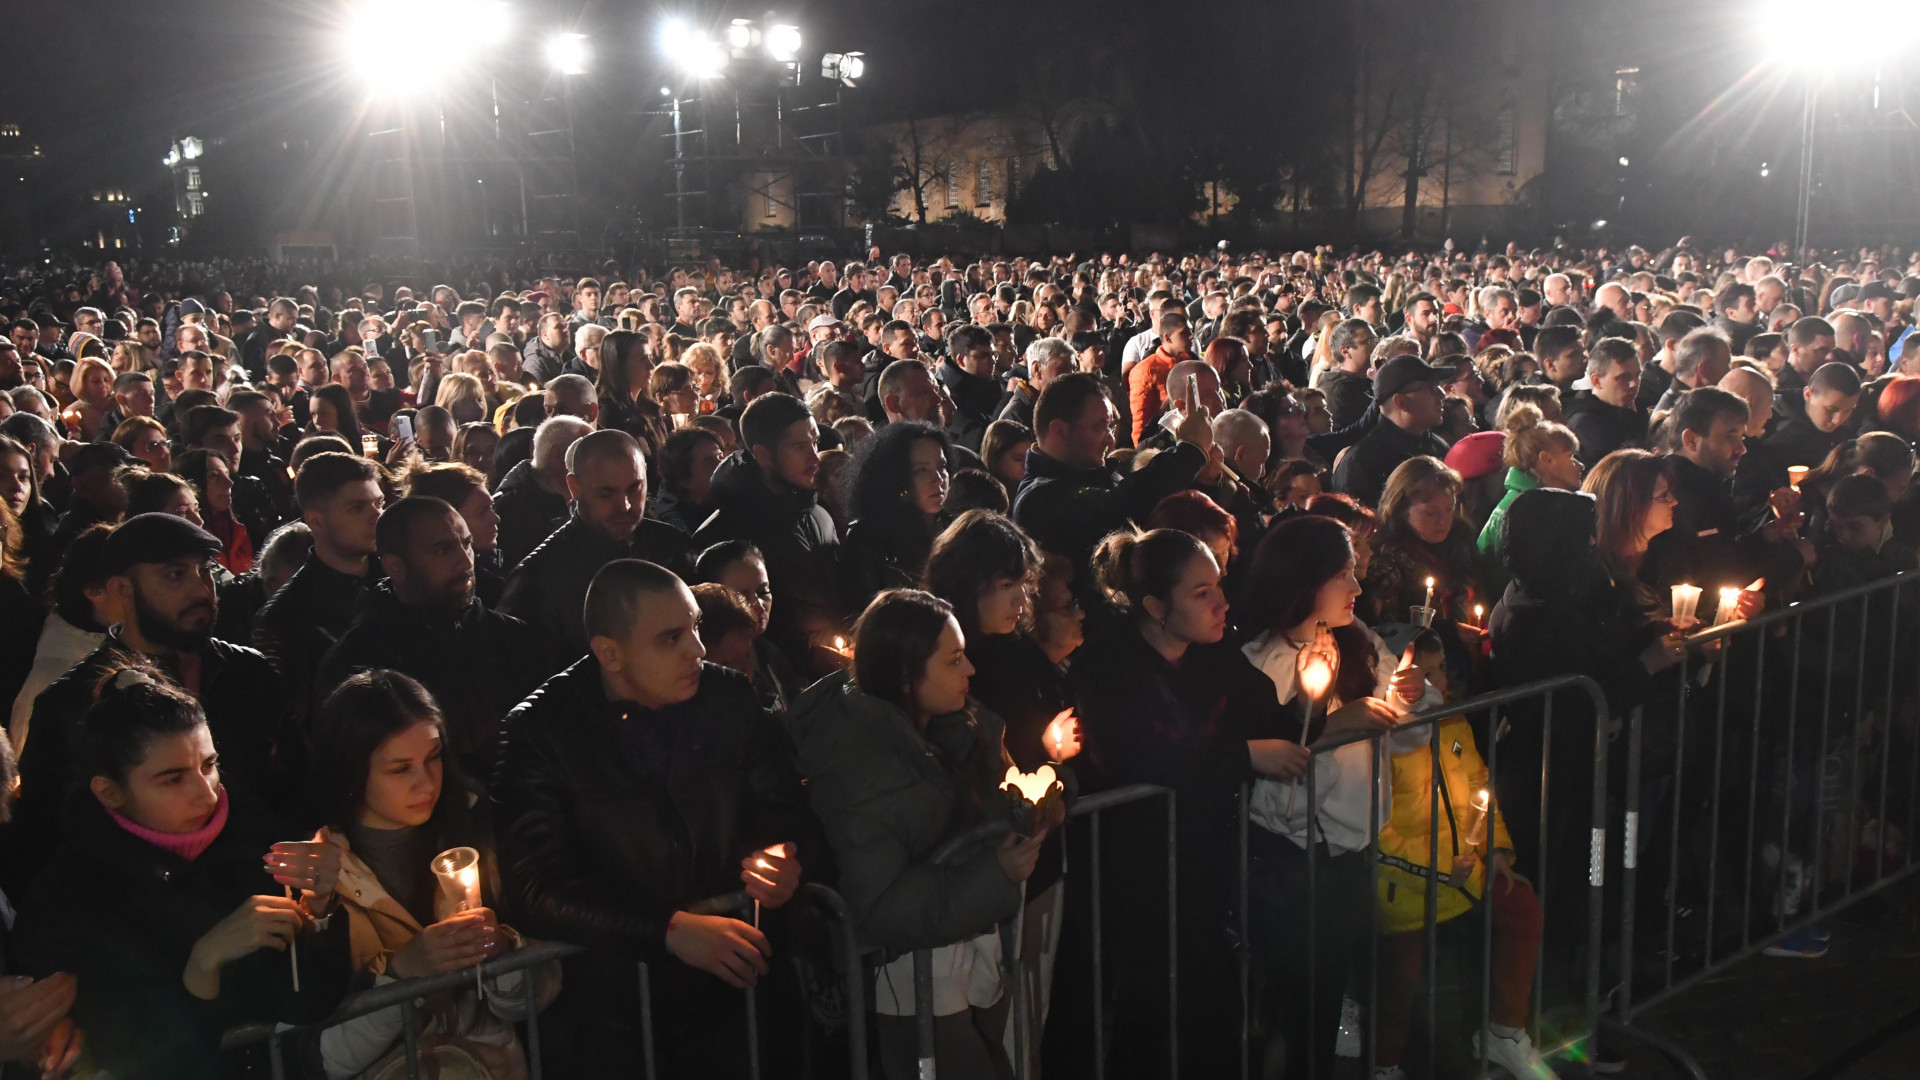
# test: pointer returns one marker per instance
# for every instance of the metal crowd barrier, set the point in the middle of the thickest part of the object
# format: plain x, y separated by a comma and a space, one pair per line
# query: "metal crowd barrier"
1092, 807
404, 994
1837, 658
1490, 705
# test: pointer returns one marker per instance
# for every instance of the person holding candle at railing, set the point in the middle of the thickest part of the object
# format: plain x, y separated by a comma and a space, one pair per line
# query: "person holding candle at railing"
170, 902
1477, 856
1332, 676
633, 784
899, 762
1425, 568
392, 799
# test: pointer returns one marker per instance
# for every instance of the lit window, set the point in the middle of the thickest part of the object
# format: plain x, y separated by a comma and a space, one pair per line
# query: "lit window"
1505, 142
953, 186
983, 194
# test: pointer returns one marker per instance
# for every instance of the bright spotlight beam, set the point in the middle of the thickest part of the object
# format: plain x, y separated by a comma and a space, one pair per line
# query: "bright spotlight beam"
568, 54
783, 42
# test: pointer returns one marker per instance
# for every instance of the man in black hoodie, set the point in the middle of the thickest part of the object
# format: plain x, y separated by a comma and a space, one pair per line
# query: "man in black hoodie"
607, 480
1710, 545
765, 494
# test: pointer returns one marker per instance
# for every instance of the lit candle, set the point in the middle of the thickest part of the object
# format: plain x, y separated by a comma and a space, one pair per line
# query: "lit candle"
370, 444
1062, 737
1031, 787
1429, 603
1315, 678
1479, 615
1795, 474
840, 648
1686, 603
1482, 800
1729, 606
458, 871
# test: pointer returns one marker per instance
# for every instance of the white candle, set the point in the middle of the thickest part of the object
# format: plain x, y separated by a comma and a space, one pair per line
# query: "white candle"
1429, 603
1062, 737
1686, 602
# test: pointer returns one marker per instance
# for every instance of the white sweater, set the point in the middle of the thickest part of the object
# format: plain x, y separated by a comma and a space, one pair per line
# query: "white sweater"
1340, 777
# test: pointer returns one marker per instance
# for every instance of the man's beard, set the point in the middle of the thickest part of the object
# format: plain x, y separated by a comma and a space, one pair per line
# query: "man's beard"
162, 631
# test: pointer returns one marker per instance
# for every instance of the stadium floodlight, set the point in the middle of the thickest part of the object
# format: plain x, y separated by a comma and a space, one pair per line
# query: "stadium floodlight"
693, 52
1789, 37
843, 68
377, 45
783, 42
741, 35
567, 54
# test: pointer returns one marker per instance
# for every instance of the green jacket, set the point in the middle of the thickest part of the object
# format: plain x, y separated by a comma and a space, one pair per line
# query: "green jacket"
887, 796
1518, 480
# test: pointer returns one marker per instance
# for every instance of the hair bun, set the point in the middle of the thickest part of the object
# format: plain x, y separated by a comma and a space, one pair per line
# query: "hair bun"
1523, 416
129, 678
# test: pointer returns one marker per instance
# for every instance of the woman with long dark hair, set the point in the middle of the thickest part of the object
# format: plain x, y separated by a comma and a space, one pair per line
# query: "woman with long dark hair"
626, 369
1163, 699
331, 413
899, 762
380, 784
160, 902
212, 480
1303, 590
896, 491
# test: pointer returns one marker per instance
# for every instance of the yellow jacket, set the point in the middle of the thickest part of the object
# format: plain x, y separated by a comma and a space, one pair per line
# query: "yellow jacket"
1405, 841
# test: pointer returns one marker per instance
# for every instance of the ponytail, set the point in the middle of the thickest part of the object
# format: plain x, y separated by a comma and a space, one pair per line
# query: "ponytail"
1131, 566
1530, 434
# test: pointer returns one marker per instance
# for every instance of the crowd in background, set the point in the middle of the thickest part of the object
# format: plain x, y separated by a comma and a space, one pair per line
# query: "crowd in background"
652, 584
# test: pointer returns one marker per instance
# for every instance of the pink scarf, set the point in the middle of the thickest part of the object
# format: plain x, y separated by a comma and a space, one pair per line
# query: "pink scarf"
186, 845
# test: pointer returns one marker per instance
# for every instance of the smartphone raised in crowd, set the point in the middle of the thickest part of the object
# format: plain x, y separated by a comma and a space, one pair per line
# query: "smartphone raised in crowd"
402, 427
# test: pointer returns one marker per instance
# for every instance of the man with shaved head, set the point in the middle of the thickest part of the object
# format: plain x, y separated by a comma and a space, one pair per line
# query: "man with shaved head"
607, 482
634, 783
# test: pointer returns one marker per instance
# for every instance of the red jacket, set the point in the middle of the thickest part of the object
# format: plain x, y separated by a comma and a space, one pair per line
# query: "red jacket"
1147, 390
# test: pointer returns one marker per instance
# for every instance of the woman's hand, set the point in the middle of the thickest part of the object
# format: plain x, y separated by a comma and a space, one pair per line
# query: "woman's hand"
1019, 854
1463, 865
1503, 869
310, 866
398, 451
1367, 714
724, 947
1278, 757
30, 1012
1663, 653
1321, 657
452, 944
1409, 681
771, 876
260, 922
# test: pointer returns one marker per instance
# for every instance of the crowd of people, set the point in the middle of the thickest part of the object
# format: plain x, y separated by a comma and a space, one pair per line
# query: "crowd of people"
651, 585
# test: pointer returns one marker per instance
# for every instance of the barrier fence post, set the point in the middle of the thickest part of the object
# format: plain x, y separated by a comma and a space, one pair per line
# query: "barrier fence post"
1753, 786
1246, 941
1722, 675
1630, 859
923, 1010
1313, 924
1373, 918
1886, 742
532, 998
1786, 801
1596, 875
412, 1039
1676, 806
1173, 938
646, 1021
1430, 967
1486, 891
276, 1060
1099, 964
1540, 890
1820, 766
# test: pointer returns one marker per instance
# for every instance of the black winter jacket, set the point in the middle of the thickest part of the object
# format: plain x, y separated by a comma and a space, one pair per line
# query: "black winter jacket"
548, 590
975, 400
1603, 428
478, 664
123, 915
1067, 510
306, 618
262, 756
611, 817
801, 545
528, 513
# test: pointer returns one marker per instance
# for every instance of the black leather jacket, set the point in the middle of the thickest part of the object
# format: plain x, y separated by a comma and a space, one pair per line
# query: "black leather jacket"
611, 817
528, 513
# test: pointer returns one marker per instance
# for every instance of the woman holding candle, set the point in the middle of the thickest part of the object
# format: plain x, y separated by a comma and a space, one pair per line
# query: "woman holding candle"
1164, 699
899, 762
1302, 589
1422, 536
380, 783
989, 571
1472, 838
170, 903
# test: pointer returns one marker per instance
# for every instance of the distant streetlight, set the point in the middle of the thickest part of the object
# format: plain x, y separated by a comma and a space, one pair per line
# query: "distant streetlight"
568, 54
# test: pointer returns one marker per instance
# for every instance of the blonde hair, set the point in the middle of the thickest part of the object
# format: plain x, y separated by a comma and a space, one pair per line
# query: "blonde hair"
463, 396
1530, 434
702, 357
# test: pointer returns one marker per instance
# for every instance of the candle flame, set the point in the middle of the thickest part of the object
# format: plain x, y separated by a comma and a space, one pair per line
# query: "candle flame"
1062, 737
1031, 786
1429, 583
1482, 799
1316, 677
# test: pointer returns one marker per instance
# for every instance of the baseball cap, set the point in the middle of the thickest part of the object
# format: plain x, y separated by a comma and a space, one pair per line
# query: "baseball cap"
822, 322
1404, 373
190, 306
155, 538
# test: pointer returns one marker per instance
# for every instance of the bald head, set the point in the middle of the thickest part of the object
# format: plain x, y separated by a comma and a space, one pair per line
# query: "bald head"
1198, 374
1757, 391
1244, 438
